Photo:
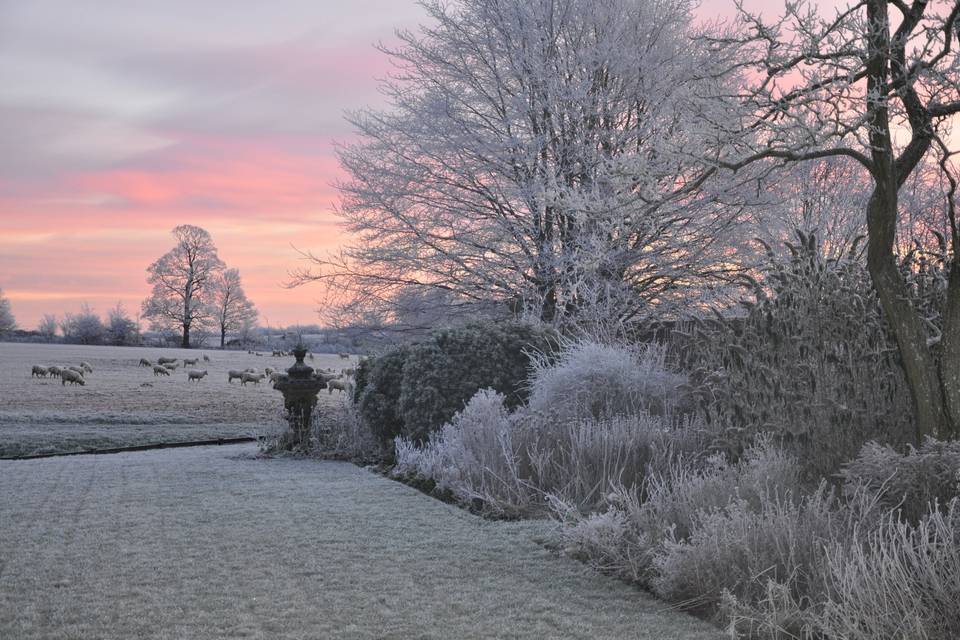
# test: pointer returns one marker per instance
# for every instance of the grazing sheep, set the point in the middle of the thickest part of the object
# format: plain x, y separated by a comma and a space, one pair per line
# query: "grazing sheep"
255, 378
38, 371
86, 367
206, 358
145, 363
193, 374
268, 370
68, 375
160, 371
310, 356
278, 376
276, 354
338, 383
348, 372
233, 373
171, 365
323, 376
344, 356
190, 361
54, 371
249, 370
76, 370
165, 360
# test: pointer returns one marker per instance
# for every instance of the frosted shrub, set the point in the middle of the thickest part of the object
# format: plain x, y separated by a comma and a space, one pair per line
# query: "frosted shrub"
341, 432
594, 380
897, 581
910, 482
512, 462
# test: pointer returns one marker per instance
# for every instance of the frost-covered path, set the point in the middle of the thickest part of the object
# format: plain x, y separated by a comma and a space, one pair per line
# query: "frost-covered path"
208, 543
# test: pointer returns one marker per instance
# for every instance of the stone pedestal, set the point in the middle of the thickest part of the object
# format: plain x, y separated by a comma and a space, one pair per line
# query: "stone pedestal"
299, 389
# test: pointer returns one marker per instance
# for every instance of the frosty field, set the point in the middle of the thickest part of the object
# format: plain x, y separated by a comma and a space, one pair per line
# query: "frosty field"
209, 542
124, 404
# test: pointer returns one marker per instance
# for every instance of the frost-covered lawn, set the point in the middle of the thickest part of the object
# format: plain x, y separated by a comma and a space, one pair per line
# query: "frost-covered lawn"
123, 404
210, 543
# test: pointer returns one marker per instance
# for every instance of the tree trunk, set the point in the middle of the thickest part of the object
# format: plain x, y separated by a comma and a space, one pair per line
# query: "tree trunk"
950, 349
223, 335
185, 343
918, 362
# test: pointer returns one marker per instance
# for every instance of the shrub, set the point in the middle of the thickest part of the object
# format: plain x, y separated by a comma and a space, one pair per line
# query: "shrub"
441, 375
812, 362
593, 380
381, 394
912, 481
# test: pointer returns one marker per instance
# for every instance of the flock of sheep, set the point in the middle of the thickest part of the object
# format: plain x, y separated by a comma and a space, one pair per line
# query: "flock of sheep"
66, 373
342, 381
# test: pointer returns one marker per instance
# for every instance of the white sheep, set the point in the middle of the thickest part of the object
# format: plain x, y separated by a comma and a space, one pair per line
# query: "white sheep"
190, 361
249, 370
206, 358
268, 370
348, 372
54, 371
86, 367
145, 363
76, 370
171, 365
338, 383
344, 356
233, 373
165, 360
278, 376
71, 376
255, 378
38, 371
160, 371
193, 374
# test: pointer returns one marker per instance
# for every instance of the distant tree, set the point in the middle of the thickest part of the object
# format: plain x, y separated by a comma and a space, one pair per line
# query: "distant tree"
247, 333
84, 327
121, 330
231, 307
7, 321
48, 326
182, 278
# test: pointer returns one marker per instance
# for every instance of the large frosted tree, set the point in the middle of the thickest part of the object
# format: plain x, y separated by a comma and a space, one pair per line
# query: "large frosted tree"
182, 282
532, 156
878, 83
231, 308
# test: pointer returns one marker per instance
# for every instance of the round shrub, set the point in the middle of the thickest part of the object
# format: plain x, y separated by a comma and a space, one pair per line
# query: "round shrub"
380, 394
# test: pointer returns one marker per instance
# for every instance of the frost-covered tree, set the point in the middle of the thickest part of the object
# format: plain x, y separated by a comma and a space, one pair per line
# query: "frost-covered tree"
7, 321
121, 329
531, 157
84, 327
231, 307
182, 278
878, 83
48, 326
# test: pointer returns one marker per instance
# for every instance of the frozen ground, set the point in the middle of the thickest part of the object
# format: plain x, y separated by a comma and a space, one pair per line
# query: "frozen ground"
210, 543
123, 404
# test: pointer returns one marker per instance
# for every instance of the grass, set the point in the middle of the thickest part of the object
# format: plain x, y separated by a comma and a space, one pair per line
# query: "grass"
212, 543
123, 404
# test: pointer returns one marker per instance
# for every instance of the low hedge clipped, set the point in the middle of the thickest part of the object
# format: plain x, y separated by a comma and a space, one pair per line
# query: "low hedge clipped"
414, 390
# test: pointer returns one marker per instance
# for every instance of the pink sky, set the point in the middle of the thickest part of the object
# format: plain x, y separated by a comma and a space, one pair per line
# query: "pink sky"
121, 121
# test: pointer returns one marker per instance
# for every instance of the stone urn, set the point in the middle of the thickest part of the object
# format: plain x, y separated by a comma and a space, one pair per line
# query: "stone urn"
299, 389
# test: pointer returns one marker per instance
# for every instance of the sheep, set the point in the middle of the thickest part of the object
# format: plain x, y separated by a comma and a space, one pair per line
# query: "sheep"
75, 370
310, 356
160, 371
249, 370
338, 383
71, 376
344, 356
193, 374
165, 360
145, 363
38, 371
277, 354
86, 367
233, 373
251, 377
323, 376
171, 365
206, 358
348, 372
268, 370
54, 371
190, 361
278, 376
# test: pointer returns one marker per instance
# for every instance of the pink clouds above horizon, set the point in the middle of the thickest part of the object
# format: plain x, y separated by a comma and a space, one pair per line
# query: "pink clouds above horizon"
122, 121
